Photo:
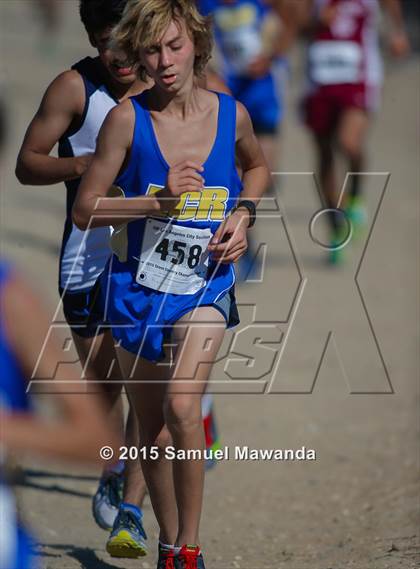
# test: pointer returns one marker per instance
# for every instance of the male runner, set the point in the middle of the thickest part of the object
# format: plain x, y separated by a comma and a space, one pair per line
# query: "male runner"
71, 113
172, 152
77, 433
252, 37
344, 81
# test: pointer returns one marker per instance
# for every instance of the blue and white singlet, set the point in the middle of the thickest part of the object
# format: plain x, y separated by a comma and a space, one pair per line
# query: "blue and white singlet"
165, 270
84, 253
238, 30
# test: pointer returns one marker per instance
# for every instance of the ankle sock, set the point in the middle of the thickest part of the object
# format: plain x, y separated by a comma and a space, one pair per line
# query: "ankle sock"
167, 547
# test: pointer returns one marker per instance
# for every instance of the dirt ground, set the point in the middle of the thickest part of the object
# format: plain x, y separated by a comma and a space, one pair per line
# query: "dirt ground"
355, 506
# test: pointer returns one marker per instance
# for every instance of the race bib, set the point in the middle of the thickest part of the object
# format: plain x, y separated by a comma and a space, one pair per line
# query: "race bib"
335, 62
173, 258
240, 47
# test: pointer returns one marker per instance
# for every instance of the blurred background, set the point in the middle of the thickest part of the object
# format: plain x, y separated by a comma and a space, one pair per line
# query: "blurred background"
357, 504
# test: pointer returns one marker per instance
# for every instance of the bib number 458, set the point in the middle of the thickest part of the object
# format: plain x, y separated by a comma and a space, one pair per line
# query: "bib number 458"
184, 254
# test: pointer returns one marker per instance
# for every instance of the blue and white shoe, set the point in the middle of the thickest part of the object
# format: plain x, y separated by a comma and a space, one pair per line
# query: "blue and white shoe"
107, 499
128, 538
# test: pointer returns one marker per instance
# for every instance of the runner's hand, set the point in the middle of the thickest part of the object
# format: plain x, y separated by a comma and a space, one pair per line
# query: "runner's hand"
229, 242
259, 67
399, 44
82, 163
183, 177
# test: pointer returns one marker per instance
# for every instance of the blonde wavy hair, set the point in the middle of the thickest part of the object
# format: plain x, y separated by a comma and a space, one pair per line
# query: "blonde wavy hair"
145, 21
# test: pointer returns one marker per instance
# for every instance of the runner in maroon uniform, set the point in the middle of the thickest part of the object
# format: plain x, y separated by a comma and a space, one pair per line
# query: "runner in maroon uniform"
344, 82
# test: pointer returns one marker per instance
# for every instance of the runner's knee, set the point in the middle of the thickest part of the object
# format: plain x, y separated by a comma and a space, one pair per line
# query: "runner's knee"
182, 412
351, 144
160, 439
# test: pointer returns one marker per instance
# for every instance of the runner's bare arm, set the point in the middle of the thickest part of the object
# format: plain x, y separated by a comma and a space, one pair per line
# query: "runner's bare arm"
229, 242
61, 106
303, 15
398, 40
92, 208
394, 12
285, 23
289, 14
